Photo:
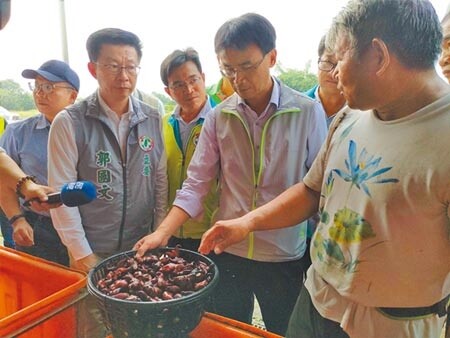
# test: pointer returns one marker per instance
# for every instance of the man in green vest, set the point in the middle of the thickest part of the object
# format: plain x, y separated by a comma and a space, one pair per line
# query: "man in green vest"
184, 80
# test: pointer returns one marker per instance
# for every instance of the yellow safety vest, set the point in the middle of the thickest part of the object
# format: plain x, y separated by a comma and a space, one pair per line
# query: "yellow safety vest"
177, 164
2, 125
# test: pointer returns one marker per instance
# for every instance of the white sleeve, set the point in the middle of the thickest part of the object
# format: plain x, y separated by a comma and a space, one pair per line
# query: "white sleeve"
62, 168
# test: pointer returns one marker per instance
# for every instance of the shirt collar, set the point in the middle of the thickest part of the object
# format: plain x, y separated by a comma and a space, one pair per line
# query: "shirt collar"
111, 113
316, 94
274, 98
206, 108
42, 122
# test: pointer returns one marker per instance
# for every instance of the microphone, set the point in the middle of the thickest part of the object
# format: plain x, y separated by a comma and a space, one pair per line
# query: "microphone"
72, 194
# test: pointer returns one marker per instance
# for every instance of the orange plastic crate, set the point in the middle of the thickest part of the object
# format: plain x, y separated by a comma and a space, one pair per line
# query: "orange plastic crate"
37, 297
215, 326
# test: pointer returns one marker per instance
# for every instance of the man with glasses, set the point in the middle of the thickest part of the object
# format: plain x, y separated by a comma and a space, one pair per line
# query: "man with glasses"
381, 251
258, 142
326, 91
184, 81
55, 86
115, 141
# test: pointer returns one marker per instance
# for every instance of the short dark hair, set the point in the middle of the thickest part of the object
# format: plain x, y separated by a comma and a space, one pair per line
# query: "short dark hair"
238, 33
410, 28
177, 58
111, 36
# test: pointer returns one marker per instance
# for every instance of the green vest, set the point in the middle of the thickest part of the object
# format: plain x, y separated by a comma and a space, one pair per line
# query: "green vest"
2, 125
177, 164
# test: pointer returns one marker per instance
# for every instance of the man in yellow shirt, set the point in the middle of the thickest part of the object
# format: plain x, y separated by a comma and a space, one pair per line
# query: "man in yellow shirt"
220, 91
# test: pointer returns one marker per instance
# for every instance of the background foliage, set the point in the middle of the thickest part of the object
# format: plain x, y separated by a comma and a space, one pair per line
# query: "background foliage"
15, 98
300, 80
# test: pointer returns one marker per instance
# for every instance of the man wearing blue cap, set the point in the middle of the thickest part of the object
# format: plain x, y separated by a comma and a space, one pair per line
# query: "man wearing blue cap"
55, 86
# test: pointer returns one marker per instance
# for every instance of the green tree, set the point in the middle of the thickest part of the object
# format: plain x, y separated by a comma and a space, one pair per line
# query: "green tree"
13, 97
300, 80
169, 104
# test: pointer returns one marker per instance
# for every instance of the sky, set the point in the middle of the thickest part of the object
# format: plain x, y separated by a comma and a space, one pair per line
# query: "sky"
33, 34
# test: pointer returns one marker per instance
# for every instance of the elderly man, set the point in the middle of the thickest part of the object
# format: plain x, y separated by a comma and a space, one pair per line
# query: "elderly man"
55, 87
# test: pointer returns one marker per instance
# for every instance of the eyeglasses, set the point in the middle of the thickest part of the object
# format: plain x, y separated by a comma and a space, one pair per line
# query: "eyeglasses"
46, 87
231, 72
116, 69
326, 66
182, 85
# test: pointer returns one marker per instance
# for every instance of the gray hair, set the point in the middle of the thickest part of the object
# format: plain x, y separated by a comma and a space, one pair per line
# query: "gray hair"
410, 29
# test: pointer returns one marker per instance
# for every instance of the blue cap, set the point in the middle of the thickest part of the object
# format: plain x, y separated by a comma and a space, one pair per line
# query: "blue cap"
55, 71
